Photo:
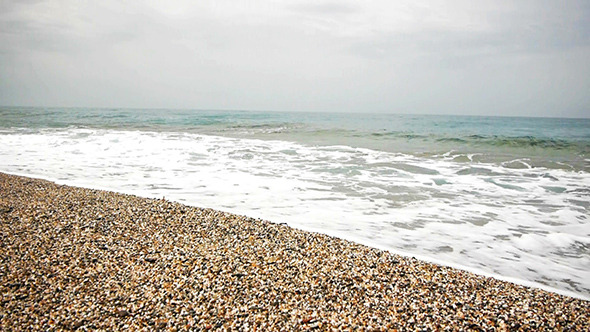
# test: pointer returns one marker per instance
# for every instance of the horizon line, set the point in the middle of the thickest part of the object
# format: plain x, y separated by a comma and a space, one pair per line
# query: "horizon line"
296, 111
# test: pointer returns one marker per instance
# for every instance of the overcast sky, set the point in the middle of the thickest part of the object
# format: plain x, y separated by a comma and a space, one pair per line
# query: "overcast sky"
453, 57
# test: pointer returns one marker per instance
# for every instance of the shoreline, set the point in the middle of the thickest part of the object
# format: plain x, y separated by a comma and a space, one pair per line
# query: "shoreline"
361, 241
92, 259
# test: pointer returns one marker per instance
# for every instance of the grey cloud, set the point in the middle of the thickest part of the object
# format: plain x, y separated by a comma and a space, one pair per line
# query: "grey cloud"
325, 8
508, 58
520, 31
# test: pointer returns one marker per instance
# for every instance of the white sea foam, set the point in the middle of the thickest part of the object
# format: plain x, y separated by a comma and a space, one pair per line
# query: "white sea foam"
519, 223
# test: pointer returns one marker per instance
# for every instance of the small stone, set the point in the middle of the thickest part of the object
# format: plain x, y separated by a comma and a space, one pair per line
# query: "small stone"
77, 324
122, 313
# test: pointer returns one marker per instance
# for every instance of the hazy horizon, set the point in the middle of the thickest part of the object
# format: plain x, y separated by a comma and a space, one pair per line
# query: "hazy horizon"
491, 58
294, 111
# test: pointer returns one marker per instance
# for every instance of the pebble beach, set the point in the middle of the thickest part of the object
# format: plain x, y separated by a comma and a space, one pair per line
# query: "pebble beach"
83, 259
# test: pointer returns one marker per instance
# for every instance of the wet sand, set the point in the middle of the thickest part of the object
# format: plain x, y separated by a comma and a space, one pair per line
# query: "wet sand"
74, 258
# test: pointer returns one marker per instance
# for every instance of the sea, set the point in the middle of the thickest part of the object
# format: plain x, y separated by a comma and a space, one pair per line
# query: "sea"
507, 197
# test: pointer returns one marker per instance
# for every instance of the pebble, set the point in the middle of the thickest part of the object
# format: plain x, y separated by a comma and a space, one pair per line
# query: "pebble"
74, 258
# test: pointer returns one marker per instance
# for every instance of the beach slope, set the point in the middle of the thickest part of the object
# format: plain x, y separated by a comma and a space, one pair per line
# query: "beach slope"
74, 258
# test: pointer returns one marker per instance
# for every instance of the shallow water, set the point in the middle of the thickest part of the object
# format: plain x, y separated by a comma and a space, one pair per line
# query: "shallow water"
500, 196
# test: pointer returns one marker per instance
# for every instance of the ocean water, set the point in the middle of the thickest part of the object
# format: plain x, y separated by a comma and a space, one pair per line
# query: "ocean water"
505, 197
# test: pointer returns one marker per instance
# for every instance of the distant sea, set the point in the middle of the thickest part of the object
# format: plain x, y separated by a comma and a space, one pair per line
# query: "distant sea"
504, 196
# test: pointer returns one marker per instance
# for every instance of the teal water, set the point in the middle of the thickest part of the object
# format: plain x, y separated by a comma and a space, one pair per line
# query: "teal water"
501, 196
547, 142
